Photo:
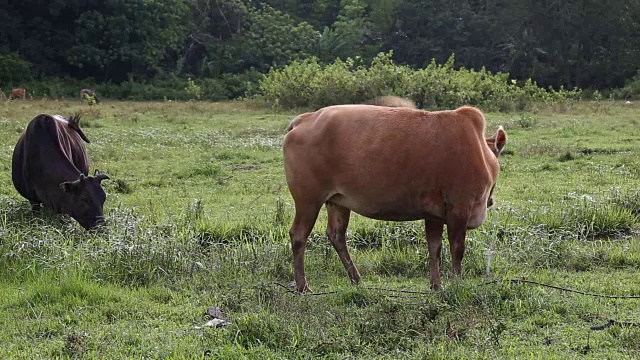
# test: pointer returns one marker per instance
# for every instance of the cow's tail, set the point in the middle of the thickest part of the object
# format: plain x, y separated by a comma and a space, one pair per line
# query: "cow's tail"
392, 101
74, 123
297, 120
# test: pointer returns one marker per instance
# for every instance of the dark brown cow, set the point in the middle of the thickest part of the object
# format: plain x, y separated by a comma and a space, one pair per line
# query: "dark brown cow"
395, 164
50, 167
90, 93
18, 93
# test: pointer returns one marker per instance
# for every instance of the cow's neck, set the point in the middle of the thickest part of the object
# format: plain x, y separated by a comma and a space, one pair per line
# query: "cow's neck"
59, 171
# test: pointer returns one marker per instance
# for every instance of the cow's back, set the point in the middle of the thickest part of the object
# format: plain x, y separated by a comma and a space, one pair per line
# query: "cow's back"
390, 163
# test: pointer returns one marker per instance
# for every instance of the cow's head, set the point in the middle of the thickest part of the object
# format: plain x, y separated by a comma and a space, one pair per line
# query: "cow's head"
496, 144
86, 199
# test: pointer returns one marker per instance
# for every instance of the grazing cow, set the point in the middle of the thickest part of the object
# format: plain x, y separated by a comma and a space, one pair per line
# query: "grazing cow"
392, 101
18, 93
394, 164
90, 94
50, 167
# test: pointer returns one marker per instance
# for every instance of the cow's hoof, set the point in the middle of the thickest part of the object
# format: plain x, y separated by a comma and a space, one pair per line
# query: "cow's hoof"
303, 288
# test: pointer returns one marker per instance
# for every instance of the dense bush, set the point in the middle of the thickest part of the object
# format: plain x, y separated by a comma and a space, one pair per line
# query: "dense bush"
631, 90
14, 69
310, 84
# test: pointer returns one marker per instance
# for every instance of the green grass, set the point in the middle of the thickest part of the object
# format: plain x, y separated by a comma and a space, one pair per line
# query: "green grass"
198, 214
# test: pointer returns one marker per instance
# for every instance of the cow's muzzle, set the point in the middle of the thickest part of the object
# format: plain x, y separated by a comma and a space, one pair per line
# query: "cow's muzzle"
95, 224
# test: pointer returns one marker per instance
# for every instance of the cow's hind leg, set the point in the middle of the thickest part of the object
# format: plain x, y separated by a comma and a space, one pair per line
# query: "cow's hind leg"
336, 231
302, 225
433, 232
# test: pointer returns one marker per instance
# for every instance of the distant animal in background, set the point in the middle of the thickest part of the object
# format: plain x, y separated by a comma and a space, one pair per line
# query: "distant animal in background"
50, 166
88, 95
392, 101
18, 93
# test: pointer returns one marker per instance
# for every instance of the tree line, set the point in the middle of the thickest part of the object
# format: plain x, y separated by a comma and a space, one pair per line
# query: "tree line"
570, 43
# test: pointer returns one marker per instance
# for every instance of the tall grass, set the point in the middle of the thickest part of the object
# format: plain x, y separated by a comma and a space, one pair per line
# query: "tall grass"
198, 216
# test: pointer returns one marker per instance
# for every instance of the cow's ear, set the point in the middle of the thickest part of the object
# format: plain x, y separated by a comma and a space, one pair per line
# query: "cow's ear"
100, 176
496, 142
70, 186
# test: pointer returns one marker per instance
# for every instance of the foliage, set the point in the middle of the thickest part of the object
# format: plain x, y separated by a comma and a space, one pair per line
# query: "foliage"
273, 39
91, 100
126, 37
352, 28
575, 44
587, 44
214, 45
13, 69
631, 90
311, 84
105, 39
193, 91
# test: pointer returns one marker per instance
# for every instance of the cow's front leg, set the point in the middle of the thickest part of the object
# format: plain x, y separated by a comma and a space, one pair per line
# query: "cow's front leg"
338, 220
456, 232
433, 231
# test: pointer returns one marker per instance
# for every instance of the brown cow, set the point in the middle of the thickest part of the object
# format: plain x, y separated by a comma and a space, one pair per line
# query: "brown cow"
50, 167
395, 164
88, 93
18, 93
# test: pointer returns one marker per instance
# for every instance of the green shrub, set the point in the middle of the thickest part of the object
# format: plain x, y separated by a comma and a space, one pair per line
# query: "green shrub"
212, 89
631, 90
313, 85
239, 85
193, 90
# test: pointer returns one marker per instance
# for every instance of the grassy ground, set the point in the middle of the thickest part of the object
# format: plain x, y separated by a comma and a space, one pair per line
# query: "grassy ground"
198, 215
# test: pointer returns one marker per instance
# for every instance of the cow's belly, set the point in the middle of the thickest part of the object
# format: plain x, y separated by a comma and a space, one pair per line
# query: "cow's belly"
389, 210
409, 209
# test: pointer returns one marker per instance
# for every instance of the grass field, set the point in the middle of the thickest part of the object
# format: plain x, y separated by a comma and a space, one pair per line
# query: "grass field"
198, 214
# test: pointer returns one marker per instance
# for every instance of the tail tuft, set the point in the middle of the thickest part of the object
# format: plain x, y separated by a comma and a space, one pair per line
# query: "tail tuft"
74, 123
